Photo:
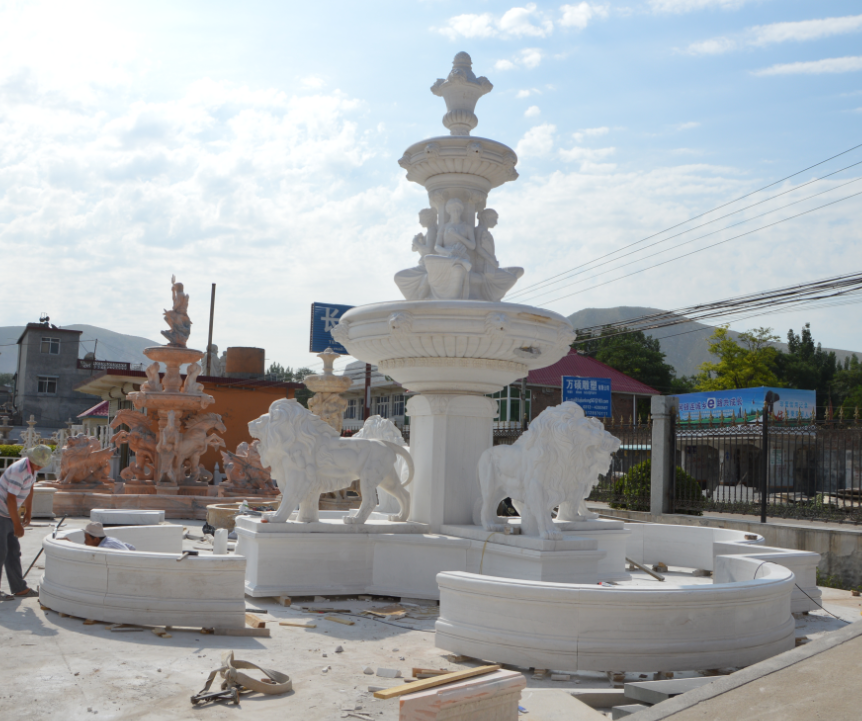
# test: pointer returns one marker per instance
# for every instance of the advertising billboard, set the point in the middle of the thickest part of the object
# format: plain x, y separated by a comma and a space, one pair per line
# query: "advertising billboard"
744, 404
324, 317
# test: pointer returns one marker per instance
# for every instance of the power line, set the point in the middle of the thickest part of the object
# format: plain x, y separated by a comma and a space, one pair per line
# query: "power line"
719, 207
699, 250
578, 270
701, 237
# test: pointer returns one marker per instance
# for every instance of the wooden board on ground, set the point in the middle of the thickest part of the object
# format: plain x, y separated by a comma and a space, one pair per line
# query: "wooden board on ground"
254, 621
436, 681
345, 621
262, 632
299, 623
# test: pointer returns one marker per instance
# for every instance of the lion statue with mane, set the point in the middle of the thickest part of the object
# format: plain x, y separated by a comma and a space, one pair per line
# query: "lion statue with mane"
308, 457
556, 462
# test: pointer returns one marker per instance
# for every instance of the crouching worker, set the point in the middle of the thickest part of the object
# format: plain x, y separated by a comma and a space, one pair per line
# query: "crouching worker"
94, 535
16, 494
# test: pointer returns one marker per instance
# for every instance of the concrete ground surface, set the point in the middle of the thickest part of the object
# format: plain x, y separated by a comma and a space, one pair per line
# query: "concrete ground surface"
58, 668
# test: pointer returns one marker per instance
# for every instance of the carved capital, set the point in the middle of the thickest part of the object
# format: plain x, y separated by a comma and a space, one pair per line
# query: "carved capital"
341, 332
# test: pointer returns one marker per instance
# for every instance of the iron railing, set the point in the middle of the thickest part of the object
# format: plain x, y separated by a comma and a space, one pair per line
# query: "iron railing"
810, 468
626, 484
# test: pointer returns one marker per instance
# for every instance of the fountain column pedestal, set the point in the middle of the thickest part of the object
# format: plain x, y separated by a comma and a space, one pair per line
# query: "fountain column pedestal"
448, 434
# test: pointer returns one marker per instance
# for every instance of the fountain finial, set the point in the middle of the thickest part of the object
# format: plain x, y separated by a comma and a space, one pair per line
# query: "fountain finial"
461, 90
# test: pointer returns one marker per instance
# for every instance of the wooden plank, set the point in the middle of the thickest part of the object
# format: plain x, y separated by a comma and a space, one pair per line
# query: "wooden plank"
417, 672
436, 681
300, 624
262, 632
254, 621
284, 600
345, 621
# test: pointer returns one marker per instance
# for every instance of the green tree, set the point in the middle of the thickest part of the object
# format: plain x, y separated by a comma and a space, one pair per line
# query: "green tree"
747, 363
847, 386
6, 379
278, 372
806, 365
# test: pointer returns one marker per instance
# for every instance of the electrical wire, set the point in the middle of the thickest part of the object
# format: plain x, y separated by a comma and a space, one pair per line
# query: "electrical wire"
699, 250
724, 205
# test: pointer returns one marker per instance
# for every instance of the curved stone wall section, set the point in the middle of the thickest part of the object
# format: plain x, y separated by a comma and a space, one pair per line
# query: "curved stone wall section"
614, 628
697, 547
147, 586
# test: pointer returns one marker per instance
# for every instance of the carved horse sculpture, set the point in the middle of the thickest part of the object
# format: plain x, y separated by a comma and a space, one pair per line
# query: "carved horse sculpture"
141, 440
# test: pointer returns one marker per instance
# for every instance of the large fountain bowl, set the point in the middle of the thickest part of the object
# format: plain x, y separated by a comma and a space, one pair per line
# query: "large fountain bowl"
456, 346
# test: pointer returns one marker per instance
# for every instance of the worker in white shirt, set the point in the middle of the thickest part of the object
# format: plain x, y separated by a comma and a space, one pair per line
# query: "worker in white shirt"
16, 494
94, 535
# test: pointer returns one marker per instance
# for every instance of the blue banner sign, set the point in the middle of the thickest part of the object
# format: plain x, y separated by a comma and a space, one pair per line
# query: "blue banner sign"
324, 317
745, 405
591, 394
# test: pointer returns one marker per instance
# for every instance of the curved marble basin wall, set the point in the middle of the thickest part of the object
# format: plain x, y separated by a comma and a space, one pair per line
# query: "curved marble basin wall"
621, 628
147, 586
699, 546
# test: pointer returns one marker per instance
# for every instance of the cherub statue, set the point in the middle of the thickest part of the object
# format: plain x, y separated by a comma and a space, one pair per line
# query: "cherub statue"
495, 281
153, 382
178, 318
216, 364
191, 386
413, 282
450, 264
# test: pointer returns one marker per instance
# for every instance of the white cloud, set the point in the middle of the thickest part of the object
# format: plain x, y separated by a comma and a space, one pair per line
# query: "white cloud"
579, 16
537, 141
815, 67
527, 92
527, 21
578, 153
532, 111
529, 58
313, 81
686, 126
763, 35
589, 133
686, 6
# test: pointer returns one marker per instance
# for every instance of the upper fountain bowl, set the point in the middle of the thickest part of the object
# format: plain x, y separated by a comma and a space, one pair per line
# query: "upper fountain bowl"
455, 346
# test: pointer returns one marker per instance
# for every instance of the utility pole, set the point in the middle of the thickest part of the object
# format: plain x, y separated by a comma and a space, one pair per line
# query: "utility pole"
367, 409
523, 404
210, 336
764, 462
95, 347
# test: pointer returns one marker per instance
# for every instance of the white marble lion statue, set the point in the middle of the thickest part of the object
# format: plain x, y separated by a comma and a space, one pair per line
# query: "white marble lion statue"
308, 457
556, 462
382, 429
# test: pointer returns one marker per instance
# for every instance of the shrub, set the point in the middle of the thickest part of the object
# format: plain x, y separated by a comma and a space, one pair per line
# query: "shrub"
632, 491
10, 451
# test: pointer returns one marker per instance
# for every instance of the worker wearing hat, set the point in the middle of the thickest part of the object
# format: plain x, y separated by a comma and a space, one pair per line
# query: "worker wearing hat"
94, 535
16, 492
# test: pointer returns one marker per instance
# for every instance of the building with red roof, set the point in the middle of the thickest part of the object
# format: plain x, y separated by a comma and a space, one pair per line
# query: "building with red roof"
544, 388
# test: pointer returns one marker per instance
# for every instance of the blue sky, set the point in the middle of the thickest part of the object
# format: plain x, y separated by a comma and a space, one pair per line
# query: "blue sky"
255, 145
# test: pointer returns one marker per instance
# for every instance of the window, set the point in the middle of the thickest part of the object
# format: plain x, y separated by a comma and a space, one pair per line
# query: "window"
47, 386
381, 406
50, 345
352, 408
398, 405
509, 404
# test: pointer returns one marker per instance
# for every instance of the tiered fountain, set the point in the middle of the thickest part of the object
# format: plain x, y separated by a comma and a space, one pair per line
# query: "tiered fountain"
182, 427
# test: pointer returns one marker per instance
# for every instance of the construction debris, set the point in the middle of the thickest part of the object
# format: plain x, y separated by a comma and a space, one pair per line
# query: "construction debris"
432, 682
260, 632
254, 621
235, 682
299, 623
283, 600
345, 621
389, 673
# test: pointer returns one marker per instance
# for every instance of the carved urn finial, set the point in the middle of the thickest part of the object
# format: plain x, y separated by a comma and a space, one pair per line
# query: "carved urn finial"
328, 357
461, 91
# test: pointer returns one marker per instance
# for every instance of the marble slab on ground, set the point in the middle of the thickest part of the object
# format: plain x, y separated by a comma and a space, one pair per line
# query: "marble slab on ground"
492, 697
330, 525
569, 542
550, 704
126, 517
653, 692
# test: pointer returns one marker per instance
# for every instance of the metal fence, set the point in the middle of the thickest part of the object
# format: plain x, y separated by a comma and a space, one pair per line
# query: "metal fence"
626, 484
812, 468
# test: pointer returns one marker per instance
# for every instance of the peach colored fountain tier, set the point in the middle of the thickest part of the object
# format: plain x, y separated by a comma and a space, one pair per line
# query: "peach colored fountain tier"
182, 436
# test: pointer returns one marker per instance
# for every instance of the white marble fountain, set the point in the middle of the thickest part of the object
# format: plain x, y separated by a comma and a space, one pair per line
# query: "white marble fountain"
520, 592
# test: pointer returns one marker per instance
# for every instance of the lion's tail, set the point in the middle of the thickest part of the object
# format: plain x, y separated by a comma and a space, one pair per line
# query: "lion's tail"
408, 459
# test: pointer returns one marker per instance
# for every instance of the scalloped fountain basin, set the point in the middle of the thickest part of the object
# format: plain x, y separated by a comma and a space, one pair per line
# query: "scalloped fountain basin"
455, 346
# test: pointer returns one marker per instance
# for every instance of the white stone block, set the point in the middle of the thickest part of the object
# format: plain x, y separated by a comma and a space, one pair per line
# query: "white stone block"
492, 697
126, 517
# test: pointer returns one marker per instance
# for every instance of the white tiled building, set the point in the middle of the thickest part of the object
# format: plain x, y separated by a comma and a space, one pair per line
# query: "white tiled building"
388, 397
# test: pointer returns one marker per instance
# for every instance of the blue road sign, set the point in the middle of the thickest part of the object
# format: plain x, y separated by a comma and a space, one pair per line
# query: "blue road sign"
324, 317
591, 394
